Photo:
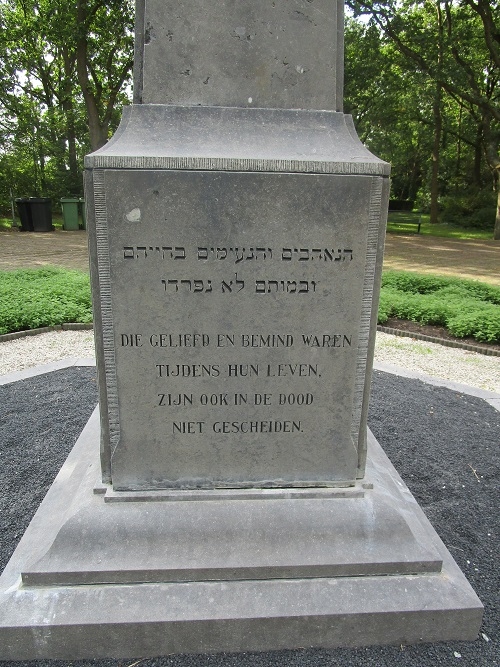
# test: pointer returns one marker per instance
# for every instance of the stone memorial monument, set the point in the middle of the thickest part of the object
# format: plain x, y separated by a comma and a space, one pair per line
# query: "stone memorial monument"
236, 236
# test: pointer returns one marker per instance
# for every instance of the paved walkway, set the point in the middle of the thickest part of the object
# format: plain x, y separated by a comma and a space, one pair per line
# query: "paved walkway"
23, 250
470, 258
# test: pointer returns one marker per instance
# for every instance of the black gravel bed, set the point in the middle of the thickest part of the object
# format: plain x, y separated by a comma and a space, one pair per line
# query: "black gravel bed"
445, 445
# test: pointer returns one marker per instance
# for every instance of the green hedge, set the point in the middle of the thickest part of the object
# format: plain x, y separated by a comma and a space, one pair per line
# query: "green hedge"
465, 307
32, 298
35, 298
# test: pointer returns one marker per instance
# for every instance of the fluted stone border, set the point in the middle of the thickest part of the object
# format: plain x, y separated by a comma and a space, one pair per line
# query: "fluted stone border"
181, 163
367, 305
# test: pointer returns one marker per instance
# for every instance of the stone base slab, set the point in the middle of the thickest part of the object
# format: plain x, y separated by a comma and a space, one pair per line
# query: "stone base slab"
46, 612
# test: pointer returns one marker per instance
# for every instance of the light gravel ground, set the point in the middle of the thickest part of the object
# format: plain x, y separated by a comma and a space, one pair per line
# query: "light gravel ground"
448, 363
21, 353
475, 370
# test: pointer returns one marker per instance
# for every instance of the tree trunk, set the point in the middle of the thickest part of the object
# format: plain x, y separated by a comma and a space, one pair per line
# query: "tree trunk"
436, 149
36, 166
75, 179
478, 157
438, 124
496, 231
98, 132
74, 182
491, 149
459, 145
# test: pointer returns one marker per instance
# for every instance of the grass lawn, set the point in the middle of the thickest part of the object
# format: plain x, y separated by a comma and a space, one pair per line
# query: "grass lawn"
397, 219
6, 223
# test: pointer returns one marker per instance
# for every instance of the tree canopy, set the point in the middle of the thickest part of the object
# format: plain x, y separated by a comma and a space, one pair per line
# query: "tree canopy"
422, 82
64, 71
446, 55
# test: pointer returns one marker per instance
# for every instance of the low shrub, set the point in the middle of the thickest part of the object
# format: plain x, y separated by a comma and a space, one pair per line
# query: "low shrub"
465, 307
418, 283
33, 298
470, 209
483, 325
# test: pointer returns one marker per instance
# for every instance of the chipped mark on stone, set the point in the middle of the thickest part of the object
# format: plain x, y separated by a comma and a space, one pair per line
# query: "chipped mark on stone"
300, 16
206, 80
134, 215
241, 33
250, 100
170, 35
300, 69
187, 72
149, 33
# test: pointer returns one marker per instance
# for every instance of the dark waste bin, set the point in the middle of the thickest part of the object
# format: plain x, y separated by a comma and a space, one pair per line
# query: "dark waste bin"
24, 210
70, 213
41, 214
82, 211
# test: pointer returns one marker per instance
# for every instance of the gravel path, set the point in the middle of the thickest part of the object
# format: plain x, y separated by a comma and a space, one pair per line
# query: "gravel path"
475, 370
21, 353
449, 363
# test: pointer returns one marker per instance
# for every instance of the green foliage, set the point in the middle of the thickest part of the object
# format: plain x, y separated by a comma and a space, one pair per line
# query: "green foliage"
423, 85
6, 222
387, 103
464, 307
470, 209
33, 298
65, 70
481, 325
420, 283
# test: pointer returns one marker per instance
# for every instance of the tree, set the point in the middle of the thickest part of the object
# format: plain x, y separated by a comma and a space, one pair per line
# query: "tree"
104, 58
64, 72
468, 70
391, 106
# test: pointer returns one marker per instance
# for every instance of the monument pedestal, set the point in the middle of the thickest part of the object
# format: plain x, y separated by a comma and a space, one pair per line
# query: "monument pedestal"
110, 577
236, 256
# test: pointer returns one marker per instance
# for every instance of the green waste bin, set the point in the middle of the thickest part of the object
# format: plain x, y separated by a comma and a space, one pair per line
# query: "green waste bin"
70, 214
82, 211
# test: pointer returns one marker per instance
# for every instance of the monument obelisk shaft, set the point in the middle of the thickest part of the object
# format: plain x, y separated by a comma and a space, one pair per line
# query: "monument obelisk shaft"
278, 55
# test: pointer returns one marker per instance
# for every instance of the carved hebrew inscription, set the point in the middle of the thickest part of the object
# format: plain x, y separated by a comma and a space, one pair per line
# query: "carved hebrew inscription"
237, 255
